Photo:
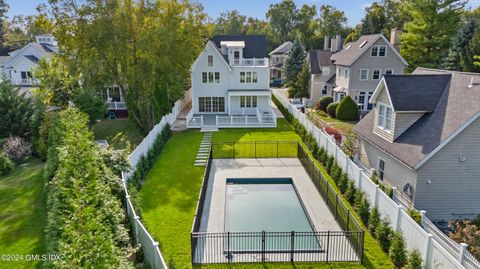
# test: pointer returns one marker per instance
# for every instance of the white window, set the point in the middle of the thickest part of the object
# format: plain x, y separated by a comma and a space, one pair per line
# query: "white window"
211, 104
325, 71
388, 71
204, 77
249, 77
248, 101
254, 77
363, 74
211, 77
217, 77
381, 168
346, 73
385, 114
379, 51
210, 60
376, 74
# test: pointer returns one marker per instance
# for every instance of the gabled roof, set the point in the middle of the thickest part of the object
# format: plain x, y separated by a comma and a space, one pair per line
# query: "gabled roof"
40, 47
414, 93
332, 80
353, 50
282, 49
318, 59
456, 108
255, 45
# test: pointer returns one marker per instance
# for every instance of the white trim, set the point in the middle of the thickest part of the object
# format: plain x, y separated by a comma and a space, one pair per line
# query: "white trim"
377, 91
204, 52
394, 50
379, 73
368, 74
378, 167
387, 69
390, 131
444, 143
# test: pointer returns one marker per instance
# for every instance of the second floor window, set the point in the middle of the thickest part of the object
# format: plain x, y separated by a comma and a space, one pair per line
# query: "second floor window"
363, 74
388, 71
346, 73
379, 51
210, 60
376, 74
385, 114
210, 77
248, 77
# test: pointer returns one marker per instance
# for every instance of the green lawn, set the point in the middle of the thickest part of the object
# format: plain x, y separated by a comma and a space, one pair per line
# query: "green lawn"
169, 197
109, 129
321, 118
22, 213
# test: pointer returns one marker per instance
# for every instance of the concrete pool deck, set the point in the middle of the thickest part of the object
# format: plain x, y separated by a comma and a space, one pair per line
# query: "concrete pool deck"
213, 217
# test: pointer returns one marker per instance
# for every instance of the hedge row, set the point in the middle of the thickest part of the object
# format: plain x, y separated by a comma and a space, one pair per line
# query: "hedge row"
357, 198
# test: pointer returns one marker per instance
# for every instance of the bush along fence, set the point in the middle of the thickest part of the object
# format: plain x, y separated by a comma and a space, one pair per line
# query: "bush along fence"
352, 179
142, 158
316, 246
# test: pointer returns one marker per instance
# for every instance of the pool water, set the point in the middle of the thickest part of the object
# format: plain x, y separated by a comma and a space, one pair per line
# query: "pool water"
271, 205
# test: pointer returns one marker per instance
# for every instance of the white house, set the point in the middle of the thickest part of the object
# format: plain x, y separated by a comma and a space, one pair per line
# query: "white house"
18, 66
278, 57
230, 84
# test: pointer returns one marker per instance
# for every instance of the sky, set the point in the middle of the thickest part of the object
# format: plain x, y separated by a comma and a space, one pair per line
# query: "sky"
354, 9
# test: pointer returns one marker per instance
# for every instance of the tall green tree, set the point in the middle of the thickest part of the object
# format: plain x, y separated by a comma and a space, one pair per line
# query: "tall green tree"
460, 56
3, 12
282, 18
306, 27
427, 36
230, 23
300, 88
16, 110
294, 62
158, 41
331, 21
375, 19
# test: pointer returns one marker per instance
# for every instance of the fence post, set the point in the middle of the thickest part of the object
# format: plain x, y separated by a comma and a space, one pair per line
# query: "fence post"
375, 196
463, 250
399, 215
292, 246
360, 172
136, 220
423, 213
155, 245
328, 243
336, 204
233, 147
255, 149
228, 248
263, 246
277, 149
428, 242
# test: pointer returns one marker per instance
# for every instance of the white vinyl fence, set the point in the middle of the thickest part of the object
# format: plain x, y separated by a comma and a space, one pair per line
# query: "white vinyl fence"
152, 255
435, 255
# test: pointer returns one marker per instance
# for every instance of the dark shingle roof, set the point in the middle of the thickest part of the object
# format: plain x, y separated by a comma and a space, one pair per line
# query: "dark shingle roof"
352, 50
332, 80
32, 58
455, 107
282, 49
317, 59
416, 93
255, 45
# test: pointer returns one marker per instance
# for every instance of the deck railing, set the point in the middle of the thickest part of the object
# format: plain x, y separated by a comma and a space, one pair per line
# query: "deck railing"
262, 246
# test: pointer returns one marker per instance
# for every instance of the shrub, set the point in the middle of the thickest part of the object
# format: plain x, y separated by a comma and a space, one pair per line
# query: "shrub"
389, 191
335, 133
384, 234
414, 260
335, 172
332, 109
17, 149
358, 198
5, 164
374, 177
398, 253
374, 221
323, 103
323, 155
16, 110
329, 163
347, 110
343, 182
364, 210
350, 145
415, 215
350, 192
43, 133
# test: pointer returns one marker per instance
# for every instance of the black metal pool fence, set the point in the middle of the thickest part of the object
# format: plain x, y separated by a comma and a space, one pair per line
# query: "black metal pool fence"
262, 246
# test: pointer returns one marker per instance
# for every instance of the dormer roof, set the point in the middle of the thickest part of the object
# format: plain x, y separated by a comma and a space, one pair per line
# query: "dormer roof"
282, 49
255, 46
450, 111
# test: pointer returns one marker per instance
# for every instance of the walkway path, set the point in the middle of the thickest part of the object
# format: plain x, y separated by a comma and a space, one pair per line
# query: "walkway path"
204, 150
180, 123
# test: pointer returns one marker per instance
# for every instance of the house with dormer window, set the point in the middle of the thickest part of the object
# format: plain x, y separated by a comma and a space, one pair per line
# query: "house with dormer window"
230, 84
361, 64
422, 137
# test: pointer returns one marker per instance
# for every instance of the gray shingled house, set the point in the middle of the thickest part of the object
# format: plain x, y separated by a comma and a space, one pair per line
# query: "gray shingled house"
277, 59
423, 137
322, 73
361, 64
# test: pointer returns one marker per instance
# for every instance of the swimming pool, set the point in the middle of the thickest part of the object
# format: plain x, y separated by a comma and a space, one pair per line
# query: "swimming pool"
264, 204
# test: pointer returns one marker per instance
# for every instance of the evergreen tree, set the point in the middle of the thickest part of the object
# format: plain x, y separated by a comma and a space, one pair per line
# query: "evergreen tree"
300, 88
16, 110
459, 57
427, 35
3, 12
294, 62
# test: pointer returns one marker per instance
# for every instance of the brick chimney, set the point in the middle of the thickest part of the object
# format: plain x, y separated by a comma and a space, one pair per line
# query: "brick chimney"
326, 43
336, 43
396, 38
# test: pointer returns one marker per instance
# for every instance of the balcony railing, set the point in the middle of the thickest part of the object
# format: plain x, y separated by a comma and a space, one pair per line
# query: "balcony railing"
28, 81
116, 105
250, 62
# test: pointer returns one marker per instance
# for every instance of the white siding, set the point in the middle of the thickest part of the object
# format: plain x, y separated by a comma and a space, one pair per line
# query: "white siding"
454, 189
403, 121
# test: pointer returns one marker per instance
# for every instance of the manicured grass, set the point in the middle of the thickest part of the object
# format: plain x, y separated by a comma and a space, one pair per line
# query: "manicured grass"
343, 126
109, 129
169, 197
22, 213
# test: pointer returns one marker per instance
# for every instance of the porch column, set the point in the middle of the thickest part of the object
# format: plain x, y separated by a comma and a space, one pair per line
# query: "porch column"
228, 103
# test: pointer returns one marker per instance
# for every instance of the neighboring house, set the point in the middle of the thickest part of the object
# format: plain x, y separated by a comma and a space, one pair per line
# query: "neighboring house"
278, 57
360, 65
230, 84
322, 74
19, 65
423, 138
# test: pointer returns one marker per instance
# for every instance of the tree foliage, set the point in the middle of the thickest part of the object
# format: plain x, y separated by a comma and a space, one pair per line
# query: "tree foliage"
347, 110
16, 110
383, 16
85, 221
230, 23
158, 41
3, 12
331, 21
300, 88
282, 19
427, 35
464, 47
293, 64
